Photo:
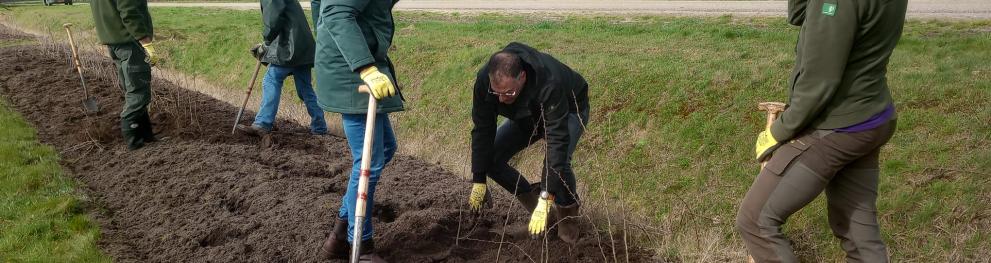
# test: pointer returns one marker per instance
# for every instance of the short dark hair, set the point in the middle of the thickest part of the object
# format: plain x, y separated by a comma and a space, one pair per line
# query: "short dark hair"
505, 63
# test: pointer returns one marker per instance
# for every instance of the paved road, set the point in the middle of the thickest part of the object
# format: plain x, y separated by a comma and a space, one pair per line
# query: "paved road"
953, 9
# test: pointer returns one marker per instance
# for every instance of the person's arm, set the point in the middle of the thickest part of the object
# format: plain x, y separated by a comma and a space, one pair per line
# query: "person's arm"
340, 19
483, 116
796, 11
827, 37
136, 19
272, 19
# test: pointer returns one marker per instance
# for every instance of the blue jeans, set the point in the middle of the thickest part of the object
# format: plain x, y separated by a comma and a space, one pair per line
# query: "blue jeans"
383, 148
272, 90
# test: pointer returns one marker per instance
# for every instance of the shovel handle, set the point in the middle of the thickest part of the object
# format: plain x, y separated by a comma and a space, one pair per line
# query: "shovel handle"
75, 58
366, 164
244, 103
72, 44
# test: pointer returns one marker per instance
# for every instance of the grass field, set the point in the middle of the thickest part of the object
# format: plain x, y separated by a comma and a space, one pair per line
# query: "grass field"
42, 218
673, 115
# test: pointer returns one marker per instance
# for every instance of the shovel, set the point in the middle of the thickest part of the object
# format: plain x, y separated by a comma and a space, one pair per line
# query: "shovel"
89, 103
251, 86
366, 165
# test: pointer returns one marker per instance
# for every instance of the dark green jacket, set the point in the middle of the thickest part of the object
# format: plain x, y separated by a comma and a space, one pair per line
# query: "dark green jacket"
840, 64
121, 21
352, 34
552, 90
288, 40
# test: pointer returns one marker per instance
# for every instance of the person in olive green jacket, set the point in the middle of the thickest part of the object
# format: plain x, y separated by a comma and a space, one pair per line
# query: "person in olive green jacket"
840, 114
287, 49
353, 40
125, 27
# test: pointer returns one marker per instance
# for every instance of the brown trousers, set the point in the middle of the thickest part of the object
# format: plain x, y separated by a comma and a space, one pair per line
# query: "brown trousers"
846, 166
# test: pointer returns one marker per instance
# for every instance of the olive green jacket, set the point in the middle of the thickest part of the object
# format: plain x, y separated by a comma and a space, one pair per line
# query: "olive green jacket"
840, 64
353, 34
121, 21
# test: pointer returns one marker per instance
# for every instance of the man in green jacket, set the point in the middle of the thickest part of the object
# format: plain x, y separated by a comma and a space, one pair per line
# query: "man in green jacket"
288, 49
125, 27
353, 40
829, 138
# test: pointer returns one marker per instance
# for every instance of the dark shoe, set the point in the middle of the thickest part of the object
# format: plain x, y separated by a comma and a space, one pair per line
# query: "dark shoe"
568, 227
132, 134
145, 129
336, 245
252, 130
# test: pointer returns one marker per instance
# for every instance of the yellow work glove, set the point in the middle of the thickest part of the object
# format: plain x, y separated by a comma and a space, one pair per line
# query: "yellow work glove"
150, 57
378, 84
538, 220
765, 145
477, 197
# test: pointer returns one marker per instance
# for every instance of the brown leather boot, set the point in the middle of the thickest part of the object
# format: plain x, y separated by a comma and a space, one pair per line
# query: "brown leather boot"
567, 228
336, 245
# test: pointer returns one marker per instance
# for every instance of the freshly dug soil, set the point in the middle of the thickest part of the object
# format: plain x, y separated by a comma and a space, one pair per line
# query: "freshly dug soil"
205, 195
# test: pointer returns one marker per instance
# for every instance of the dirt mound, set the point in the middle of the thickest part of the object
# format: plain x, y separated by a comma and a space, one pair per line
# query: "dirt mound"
204, 195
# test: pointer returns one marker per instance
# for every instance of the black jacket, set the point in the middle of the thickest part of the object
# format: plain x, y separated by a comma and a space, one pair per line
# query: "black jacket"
552, 90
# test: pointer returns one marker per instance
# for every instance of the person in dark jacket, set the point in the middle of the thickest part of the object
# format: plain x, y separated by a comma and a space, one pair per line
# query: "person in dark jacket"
353, 40
125, 27
541, 98
840, 114
288, 49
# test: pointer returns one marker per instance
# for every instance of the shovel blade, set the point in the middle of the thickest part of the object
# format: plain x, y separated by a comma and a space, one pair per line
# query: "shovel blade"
90, 105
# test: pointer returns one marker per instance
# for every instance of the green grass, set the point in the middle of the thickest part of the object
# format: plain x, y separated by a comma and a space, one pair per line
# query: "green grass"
41, 216
673, 115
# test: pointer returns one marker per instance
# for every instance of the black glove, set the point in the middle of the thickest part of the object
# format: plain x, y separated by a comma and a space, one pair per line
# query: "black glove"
258, 51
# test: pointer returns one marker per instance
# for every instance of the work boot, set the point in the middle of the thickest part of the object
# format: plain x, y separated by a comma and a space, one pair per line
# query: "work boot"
368, 252
132, 134
567, 228
145, 129
529, 199
336, 245
252, 130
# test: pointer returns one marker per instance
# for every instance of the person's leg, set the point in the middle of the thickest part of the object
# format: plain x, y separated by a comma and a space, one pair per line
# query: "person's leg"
271, 92
304, 88
851, 198
564, 188
510, 139
388, 137
784, 186
563, 184
852, 203
354, 130
806, 166
136, 80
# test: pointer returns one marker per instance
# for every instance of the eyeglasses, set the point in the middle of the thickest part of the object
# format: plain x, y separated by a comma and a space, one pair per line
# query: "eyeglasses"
510, 94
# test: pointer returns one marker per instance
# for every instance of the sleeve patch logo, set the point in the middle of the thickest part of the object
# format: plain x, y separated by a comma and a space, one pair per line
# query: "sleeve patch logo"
829, 9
